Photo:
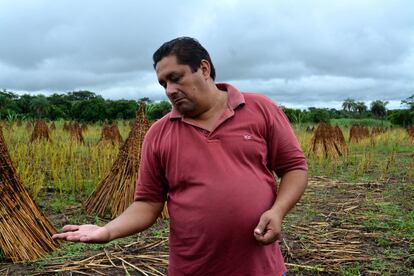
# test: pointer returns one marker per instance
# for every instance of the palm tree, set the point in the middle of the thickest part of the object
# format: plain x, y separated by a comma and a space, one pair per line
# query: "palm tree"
40, 105
361, 107
378, 108
349, 105
409, 102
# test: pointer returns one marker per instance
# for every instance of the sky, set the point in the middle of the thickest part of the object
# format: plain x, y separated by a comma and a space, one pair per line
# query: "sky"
299, 53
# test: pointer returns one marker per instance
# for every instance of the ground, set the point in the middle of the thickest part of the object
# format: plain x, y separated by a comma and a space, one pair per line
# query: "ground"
338, 228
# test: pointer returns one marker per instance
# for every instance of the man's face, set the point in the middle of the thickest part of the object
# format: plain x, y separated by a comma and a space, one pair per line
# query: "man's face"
182, 86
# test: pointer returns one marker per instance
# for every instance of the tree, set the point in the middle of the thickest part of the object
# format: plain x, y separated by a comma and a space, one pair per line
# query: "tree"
56, 112
402, 117
7, 97
361, 107
295, 116
349, 105
121, 109
146, 100
409, 102
82, 95
317, 115
60, 106
90, 110
23, 104
39, 105
157, 110
378, 108
7, 103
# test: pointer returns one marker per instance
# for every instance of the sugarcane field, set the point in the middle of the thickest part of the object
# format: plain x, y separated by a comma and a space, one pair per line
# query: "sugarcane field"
355, 218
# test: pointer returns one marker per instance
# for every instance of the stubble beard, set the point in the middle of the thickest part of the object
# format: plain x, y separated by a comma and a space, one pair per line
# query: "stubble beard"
186, 108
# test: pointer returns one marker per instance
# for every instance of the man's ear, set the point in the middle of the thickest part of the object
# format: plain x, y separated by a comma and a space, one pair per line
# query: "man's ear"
205, 68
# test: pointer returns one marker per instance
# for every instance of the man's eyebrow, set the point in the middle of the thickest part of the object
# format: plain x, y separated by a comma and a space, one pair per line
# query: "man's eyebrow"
171, 75
163, 78
168, 77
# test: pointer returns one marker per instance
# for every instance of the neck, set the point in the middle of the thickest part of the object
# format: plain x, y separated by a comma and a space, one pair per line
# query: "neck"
216, 104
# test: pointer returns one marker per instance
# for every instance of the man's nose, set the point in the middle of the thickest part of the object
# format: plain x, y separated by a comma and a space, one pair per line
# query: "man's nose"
170, 89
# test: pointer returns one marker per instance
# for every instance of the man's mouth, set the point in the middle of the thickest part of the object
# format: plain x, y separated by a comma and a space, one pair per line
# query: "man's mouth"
179, 100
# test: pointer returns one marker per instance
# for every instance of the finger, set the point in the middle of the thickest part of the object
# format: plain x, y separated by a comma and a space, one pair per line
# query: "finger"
271, 236
64, 236
261, 239
70, 227
261, 236
261, 227
77, 237
59, 237
268, 238
73, 238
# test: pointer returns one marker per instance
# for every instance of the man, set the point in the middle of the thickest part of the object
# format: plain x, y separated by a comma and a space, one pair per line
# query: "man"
212, 158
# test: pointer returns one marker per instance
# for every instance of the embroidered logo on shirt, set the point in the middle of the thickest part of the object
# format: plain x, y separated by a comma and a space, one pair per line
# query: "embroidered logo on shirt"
247, 137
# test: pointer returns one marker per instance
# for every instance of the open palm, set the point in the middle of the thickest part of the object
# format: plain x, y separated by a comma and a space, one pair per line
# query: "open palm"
84, 233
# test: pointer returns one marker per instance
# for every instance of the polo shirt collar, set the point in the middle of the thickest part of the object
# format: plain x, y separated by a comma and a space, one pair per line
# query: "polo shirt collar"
235, 99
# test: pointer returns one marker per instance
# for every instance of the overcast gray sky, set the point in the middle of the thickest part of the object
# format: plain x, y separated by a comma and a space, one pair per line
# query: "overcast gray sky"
299, 53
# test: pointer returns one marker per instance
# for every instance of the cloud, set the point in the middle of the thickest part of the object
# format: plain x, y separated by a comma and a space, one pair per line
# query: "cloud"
298, 53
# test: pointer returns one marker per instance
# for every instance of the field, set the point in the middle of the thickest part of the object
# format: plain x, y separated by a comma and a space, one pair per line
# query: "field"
356, 217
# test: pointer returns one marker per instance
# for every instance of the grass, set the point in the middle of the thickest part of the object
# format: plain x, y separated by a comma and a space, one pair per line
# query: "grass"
61, 165
59, 203
355, 270
347, 122
394, 216
72, 251
381, 221
376, 158
387, 208
60, 176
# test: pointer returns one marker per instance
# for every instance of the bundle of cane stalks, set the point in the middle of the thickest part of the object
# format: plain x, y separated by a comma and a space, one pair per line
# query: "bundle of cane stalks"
116, 191
328, 141
25, 233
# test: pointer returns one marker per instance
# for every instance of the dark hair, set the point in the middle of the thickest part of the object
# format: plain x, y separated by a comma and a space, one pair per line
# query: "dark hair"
188, 52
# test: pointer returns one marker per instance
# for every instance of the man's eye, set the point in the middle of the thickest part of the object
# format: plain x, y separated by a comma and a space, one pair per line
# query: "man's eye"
175, 79
162, 83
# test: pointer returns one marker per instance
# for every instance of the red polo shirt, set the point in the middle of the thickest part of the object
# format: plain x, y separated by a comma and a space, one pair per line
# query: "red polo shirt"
219, 183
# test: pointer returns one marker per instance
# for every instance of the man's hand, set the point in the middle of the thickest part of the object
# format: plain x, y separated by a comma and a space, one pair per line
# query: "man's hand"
291, 188
136, 218
84, 233
269, 228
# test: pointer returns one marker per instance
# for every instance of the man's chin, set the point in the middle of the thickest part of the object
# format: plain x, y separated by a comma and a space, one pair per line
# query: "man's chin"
184, 109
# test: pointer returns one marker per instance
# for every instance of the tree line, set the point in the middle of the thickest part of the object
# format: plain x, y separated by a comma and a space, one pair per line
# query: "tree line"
86, 106
82, 106
353, 109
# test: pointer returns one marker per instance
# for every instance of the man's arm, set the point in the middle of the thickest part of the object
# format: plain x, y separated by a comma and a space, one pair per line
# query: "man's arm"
291, 188
137, 217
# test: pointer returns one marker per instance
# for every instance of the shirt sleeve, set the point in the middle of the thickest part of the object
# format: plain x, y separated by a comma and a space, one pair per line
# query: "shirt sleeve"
151, 183
285, 153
